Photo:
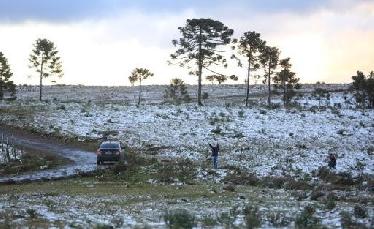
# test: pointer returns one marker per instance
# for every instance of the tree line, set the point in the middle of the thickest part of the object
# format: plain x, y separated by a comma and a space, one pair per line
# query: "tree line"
205, 45
43, 58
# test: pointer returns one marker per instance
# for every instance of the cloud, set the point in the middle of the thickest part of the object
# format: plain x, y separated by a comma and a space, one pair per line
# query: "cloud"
70, 10
325, 43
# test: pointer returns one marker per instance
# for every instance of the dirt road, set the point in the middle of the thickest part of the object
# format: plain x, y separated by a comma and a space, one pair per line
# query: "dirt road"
82, 161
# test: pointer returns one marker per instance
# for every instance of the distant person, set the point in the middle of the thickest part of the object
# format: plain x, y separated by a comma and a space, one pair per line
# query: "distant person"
332, 161
215, 150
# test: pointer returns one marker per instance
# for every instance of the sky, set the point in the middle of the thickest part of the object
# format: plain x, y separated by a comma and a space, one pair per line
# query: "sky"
101, 41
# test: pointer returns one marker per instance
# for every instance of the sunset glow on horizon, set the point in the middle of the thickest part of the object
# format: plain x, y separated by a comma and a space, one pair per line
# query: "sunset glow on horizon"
100, 42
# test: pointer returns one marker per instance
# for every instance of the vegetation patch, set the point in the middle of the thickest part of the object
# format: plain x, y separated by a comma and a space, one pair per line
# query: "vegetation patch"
32, 162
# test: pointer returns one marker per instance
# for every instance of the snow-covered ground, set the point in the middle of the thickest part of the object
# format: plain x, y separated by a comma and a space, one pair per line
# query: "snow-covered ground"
131, 209
267, 142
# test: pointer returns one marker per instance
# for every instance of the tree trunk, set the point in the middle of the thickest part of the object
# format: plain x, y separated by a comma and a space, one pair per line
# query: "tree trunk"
247, 94
199, 86
140, 90
41, 79
1, 88
200, 72
284, 94
269, 88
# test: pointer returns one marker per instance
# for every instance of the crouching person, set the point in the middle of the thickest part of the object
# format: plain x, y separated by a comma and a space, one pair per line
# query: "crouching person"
215, 150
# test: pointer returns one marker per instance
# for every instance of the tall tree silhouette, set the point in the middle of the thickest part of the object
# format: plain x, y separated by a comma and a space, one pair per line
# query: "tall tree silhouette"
286, 80
5, 74
198, 46
44, 58
249, 46
139, 74
269, 59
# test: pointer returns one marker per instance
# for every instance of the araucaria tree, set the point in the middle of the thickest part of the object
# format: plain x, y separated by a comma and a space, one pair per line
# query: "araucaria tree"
286, 81
269, 59
364, 89
44, 58
176, 92
198, 46
138, 75
6, 85
249, 46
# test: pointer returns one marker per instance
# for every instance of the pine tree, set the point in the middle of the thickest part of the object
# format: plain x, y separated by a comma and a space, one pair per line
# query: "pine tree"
176, 92
139, 74
286, 81
198, 46
44, 58
364, 88
249, 46
269, 59
6, 85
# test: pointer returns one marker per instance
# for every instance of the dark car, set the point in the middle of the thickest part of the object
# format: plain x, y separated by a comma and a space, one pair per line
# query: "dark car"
110, 151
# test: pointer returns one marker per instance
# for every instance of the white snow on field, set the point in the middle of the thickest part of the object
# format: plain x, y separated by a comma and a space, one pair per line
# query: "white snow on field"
267, 142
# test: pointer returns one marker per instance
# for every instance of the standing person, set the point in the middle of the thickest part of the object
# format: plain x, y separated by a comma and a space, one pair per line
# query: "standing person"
215, 150
332, 161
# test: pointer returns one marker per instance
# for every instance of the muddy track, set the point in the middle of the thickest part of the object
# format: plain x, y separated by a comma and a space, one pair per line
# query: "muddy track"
82, 161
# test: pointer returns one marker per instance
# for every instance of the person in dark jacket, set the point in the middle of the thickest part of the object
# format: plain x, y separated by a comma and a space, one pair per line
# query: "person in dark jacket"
215, 150
332, 161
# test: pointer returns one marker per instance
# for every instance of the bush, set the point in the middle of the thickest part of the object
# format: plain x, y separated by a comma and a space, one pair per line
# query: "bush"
360, 211
347, 221
205, 95
217, 130
330, 202
306, 219
252, 217
32, 213
297, 185
181, 170
279, 220
274, 182
179, 218
241, 114
242, 179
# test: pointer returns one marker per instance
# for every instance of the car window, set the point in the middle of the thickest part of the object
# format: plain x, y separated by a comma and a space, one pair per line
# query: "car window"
109, 146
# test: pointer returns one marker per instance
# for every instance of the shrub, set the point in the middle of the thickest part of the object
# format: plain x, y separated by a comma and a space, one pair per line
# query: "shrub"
347, 221
297, 185
181, 170
330, 204
179, 218
205, 95
226, 219
306, 219
209, 221
32, 213
103, 226
316, 195
360, 211
274, 182
217, 130
61, 107
331, 199
241, 114
242, 179
252, 217
279, 220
